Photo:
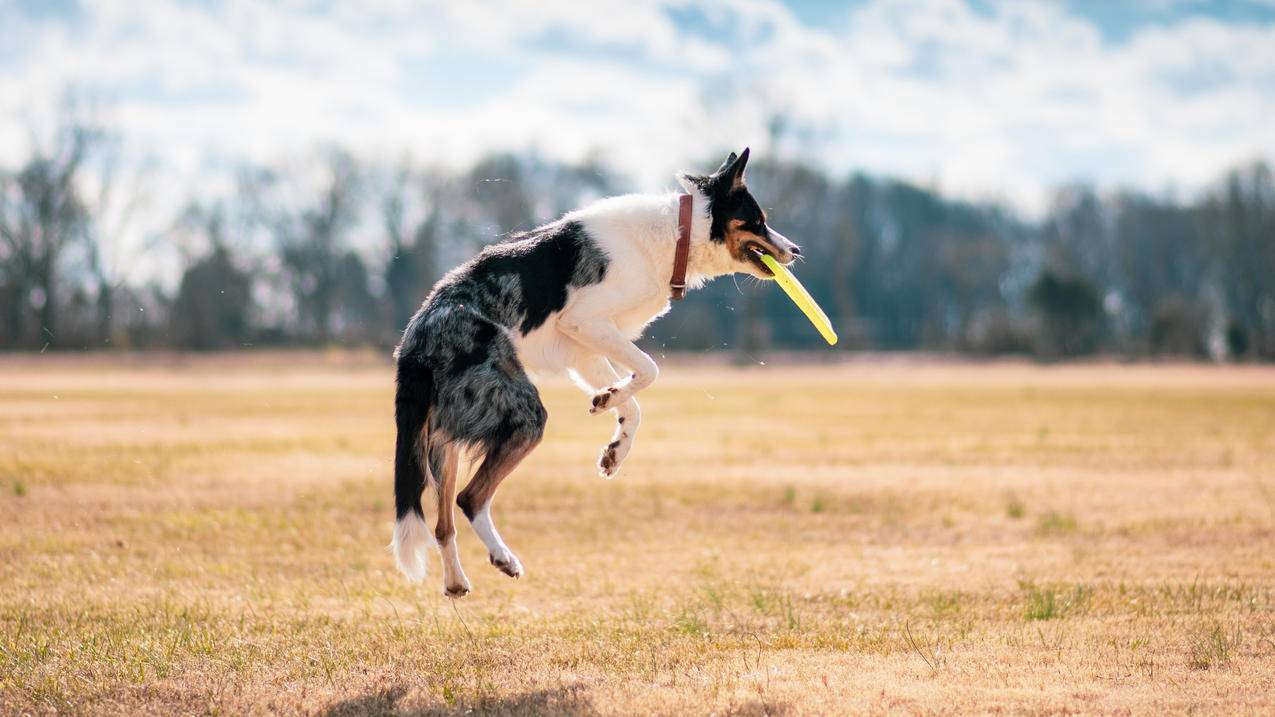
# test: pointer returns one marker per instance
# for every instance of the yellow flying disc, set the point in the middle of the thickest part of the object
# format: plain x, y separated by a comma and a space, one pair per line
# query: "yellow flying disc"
801, 298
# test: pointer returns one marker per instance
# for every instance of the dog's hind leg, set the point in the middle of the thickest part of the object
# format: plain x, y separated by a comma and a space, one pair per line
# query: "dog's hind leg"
596, 373
443, 464
519, 426
490, 407
476, 500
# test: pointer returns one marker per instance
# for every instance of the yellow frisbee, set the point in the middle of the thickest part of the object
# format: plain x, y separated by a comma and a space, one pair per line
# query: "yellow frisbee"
801, 298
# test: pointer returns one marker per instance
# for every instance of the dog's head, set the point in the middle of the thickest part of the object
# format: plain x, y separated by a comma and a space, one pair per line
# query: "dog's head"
739, 225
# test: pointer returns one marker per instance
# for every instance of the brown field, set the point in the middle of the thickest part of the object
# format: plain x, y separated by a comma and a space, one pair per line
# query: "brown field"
208, 536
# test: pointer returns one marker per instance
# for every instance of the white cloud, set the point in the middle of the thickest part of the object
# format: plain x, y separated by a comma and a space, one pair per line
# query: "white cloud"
1028, 96
1006, 103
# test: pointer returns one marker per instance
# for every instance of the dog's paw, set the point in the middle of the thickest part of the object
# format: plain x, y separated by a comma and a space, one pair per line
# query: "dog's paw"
611, 457
508, 564
605, 399
457, 591
612, 396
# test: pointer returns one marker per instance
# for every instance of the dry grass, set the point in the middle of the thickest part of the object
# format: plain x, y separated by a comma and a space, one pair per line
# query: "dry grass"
207, 536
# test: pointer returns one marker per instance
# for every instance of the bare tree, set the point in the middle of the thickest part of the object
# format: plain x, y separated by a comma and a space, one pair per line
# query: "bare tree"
411, 213
310, 230
41, 215
500, 192
1241, 221
120, 196
214, 299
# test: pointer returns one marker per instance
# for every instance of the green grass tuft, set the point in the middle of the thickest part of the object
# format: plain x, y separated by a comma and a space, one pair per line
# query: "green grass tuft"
1210, 646
1051, 602
790, 495
1055, 523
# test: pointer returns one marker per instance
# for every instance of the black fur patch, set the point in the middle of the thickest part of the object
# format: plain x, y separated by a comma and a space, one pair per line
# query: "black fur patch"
736, 205
478, 347
411, 409
543, 264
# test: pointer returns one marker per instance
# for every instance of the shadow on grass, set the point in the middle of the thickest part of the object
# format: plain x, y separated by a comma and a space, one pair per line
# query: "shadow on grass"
569, 700
757, 709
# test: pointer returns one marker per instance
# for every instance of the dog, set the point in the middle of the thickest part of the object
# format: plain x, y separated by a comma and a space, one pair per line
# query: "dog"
570, 296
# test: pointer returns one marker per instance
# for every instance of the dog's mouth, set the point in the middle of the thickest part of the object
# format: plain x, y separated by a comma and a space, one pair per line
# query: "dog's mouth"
753, 251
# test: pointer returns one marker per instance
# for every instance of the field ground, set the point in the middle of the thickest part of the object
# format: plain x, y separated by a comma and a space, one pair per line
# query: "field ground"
208, 536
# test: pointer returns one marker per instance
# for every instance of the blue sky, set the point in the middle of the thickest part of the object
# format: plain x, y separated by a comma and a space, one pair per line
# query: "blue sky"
987, 99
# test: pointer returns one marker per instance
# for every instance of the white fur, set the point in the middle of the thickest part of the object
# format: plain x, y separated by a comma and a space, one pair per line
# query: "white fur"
638, 233
411, 540
592, 336
496, 548
594, 374
454, 579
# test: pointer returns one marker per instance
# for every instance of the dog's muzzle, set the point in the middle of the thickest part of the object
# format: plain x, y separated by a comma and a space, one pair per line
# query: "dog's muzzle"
784, 251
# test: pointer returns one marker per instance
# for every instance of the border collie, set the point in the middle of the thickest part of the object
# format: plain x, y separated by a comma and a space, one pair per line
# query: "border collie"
570, 296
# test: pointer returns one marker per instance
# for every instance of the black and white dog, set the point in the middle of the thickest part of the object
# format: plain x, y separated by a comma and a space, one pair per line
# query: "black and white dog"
568, 296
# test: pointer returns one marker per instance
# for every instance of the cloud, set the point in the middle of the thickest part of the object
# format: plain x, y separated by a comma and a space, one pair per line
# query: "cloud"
1013, 101
999, 99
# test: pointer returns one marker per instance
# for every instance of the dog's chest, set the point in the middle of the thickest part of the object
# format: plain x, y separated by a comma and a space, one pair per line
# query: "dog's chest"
547, 350
632, 322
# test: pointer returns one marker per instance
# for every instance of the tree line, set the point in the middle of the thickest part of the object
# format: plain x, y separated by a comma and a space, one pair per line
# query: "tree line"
332, 249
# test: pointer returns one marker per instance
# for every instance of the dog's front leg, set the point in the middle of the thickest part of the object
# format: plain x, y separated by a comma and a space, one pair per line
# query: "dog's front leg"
602, 336
595, 373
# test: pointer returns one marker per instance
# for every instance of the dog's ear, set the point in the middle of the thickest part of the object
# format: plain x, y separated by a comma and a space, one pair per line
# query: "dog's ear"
730, 159
727, 177
736, 171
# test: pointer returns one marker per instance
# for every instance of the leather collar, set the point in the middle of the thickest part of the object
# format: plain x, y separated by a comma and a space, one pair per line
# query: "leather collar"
682, 254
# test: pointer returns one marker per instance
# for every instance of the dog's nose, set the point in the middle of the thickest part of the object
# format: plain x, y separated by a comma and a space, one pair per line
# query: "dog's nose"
796, 250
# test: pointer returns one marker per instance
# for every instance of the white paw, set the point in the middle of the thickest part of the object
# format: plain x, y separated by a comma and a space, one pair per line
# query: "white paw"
612, 456
507, 563
612, 396
457, 590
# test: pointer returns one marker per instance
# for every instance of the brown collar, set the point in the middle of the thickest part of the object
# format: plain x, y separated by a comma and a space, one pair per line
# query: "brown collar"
682, 254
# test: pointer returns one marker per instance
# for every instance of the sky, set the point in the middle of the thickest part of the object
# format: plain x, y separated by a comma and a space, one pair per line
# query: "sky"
982, 99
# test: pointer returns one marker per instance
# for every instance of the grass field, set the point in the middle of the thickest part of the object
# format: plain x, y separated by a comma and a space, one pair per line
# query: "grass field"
208, 536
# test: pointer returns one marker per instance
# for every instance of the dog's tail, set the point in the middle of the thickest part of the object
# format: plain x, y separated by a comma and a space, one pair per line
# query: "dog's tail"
412, 404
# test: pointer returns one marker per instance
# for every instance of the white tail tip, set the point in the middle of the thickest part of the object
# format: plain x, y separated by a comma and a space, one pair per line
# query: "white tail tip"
411, 541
